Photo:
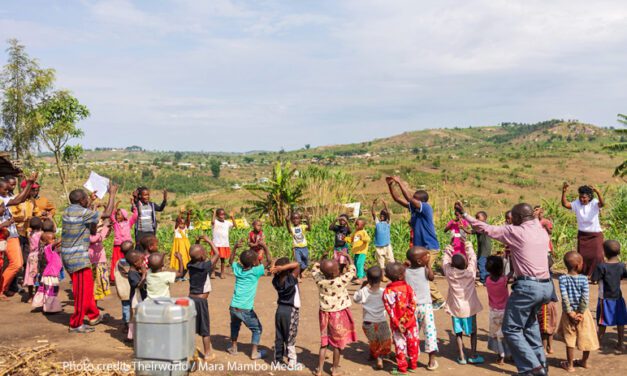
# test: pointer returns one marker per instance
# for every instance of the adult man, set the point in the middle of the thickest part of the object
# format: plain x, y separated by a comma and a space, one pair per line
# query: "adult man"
422, 224
527, 241
79, 222
14, 251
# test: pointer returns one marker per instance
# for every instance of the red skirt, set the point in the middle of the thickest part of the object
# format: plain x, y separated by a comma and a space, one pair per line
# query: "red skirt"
115, 256
590, 247
337, 329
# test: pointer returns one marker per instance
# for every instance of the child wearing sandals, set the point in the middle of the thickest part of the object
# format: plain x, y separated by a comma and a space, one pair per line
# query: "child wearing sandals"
375, 325
462, 302
496, 285
337, 327
418, 275
576, 325
400, 303
611, 310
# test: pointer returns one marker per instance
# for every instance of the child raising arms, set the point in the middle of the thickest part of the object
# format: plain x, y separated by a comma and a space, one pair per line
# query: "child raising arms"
382, 239
257, 242
360, 240
496, 285
180, 243
287, 315
122, 225
341, 229
299, 242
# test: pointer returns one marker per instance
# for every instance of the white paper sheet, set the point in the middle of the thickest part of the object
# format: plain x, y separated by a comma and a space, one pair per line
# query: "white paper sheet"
97, 183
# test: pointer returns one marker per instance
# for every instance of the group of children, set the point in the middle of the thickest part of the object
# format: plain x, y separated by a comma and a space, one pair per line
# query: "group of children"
396, 313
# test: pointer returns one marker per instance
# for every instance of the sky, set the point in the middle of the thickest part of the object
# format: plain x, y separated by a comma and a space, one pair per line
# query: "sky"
226, 75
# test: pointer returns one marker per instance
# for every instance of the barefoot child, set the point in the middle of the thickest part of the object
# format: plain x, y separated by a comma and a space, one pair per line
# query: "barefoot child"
32, 261
148, 245
257, 242
147, 213
122, 225
418, 275
382, 242
50, 265
337, 327
199, 288
577, 325
98, 258
341, 229
400, 304
158, 281
459, 228
462, 302
137, 283
180, 243
611, 310
375, 325
122, 287
496, 285
484, 247
359, 240
299, 241
285, 282
247, 273
221, 228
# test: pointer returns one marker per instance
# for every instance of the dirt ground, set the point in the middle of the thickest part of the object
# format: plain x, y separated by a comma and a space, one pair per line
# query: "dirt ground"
21, 327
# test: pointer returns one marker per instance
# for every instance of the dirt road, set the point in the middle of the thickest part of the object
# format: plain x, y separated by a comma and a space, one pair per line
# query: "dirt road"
21, 327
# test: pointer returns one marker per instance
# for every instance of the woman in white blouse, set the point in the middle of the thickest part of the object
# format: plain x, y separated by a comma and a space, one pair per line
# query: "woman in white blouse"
590, 235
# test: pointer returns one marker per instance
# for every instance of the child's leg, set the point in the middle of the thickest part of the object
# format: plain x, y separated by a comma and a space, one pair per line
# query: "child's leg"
584, 359
568, 364
413, 346
473, 344
601, 332
380, 253
252, 322
549, 344
291, 339
459, 337
281, 332
206, 344
236, 323
400, 345
222, 263
621, 334
336, 362
126, 312
31, 293
426, 321
321, 357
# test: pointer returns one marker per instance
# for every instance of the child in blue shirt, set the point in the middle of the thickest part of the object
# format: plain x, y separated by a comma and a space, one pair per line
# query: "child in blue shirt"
382, 242
247, 273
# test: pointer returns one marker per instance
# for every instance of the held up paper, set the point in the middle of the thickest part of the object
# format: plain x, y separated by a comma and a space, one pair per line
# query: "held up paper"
97, 183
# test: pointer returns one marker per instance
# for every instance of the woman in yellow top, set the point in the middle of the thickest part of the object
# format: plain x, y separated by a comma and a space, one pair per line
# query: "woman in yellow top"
180, 243
359, 240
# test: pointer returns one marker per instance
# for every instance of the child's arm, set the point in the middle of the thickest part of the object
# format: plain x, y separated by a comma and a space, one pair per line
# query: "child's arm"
332, 225
287, 225
448, 226
585, 298
387, 210
359, 296
188, 220
407, 194
428, 270
135, 213
278, 269
235, 247
232, 217
114, 212
179, 273
307, 222
373, 213
389, 308
472, 258
160, 208
7, 223
446, 259
395, 196
213, 217
266, 251
566, 307
565, 202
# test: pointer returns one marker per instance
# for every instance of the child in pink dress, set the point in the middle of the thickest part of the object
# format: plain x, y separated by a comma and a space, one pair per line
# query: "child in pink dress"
122, 225
98, 258
30, 273
458, 227
50, 265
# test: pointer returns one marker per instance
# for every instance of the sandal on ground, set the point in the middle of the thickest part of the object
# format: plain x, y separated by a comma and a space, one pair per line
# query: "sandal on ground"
259, 355
231, 351
461, 362
99, 320
477, 359
564, 365
81, 329
434, 367
396, 372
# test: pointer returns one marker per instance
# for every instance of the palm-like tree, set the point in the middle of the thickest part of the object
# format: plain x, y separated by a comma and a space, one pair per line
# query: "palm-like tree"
278, 195
621, 170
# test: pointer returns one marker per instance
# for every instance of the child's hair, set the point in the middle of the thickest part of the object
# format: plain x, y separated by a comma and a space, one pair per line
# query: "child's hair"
126, 246
459, 261
155, 262
414, 254
146, 241
196, 252
35, 223
133, 256
282, 261
220, 210
384, 213
572, 260
178, 220
256, 221
585, 190
422, 195
47, 225
611, 248
328, 268
481, 213
345, 216
247, 258
374, 275
142, 189
394, 271
494, 266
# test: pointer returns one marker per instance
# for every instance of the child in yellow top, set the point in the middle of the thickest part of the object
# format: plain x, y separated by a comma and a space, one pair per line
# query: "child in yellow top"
359, 240
180, 243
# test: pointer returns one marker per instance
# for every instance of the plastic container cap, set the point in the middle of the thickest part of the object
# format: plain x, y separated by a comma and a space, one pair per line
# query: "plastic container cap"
182, 302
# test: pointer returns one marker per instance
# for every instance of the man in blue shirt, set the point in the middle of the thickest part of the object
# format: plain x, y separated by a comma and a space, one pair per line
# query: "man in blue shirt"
422, 224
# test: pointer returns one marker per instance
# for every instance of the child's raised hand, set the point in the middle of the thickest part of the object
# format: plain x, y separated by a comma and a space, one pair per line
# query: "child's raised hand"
239, 243
165, 194
364, 283
565, 186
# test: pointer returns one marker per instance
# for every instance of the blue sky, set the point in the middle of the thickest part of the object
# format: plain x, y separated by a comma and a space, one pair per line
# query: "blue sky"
225, 75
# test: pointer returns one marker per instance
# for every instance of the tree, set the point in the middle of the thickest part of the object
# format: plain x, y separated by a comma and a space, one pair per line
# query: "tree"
307, 146
621, 170
178, 156
24, 85
214, 166
279, 194
56, 117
